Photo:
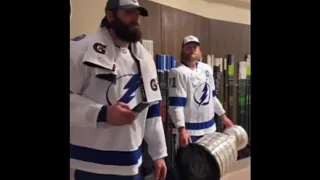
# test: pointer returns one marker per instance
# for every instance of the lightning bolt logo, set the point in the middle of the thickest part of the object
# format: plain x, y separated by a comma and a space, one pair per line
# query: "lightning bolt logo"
204, 94
203, 97
131, 86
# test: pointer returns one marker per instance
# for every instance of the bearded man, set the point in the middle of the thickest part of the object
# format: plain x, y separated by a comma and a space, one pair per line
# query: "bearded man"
114, 100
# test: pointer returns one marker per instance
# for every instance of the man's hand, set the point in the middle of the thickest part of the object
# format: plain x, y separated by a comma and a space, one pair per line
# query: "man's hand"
120, 114
161, 169
226, 121
184, 137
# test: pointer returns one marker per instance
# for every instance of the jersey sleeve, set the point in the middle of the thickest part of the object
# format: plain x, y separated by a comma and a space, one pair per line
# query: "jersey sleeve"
154, 133
83, 111
218, 109
177, 98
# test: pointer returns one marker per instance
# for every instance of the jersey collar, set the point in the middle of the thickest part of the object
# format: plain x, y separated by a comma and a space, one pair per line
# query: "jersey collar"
197, 63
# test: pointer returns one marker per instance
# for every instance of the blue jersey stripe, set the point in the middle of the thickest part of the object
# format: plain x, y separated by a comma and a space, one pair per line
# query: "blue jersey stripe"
199, 126
82, 175
177, 101
154, 111
117, 158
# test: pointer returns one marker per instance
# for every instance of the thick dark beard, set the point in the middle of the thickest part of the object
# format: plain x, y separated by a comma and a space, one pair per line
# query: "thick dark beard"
185, 56
128, 33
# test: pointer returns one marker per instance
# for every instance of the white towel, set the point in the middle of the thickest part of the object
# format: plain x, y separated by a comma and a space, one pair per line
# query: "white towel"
148, 72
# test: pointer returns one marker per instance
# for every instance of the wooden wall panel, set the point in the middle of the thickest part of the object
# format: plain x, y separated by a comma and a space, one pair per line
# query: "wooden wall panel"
167, 26
151, 25
177, 24
229, 38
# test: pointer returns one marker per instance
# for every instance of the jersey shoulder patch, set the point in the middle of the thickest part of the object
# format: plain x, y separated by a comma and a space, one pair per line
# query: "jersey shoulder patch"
174, 71
79, 38
99, 48
205, 66
178, 72
182, 70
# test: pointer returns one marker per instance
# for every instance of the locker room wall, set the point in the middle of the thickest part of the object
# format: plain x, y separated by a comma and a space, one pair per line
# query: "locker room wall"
177, 24
151, 25
226, 38
167, 26
237, 11
86, 14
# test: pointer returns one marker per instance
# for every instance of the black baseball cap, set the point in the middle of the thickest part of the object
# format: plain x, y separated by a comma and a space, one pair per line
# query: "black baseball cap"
126, 4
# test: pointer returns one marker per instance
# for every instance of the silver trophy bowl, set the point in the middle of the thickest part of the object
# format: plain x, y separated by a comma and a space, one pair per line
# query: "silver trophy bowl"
240, 134
212, 155
222, 147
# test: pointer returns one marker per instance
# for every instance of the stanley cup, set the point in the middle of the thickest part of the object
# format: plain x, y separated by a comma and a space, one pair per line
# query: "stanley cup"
222, 148
240, 134
225, 146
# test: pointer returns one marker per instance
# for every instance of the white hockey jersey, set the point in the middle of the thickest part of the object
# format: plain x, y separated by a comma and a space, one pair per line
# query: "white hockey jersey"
102, 74
192, 99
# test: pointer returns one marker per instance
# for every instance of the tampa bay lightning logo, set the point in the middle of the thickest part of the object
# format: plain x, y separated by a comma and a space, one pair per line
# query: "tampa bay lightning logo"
128, 91
202, 94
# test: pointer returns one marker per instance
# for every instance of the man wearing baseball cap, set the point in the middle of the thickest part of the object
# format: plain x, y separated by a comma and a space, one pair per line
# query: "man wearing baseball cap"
114, 100
125, 28
192, 98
